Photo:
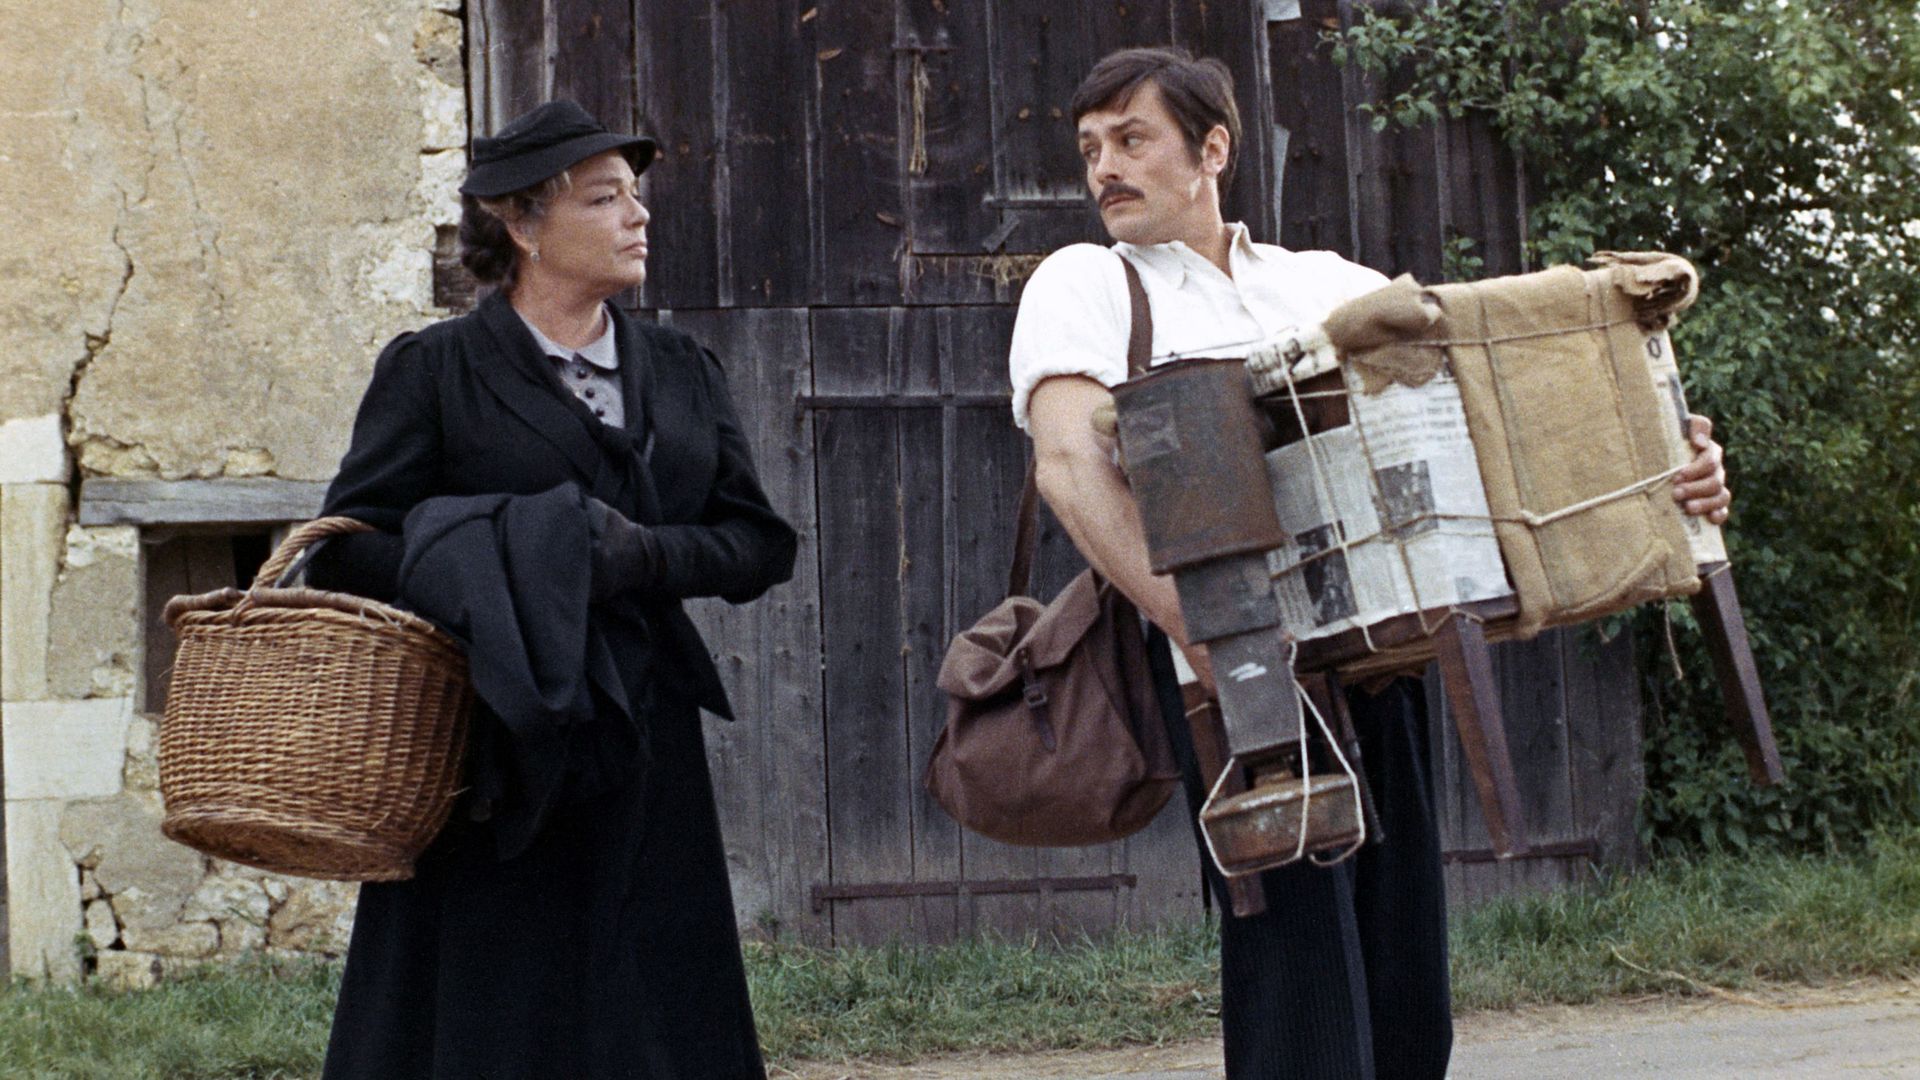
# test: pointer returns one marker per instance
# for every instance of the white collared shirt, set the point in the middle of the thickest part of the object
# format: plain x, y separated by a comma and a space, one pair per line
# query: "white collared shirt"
592, 372
1074, 315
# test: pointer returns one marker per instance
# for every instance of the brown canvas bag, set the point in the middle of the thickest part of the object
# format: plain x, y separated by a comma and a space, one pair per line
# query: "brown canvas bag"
1054, 736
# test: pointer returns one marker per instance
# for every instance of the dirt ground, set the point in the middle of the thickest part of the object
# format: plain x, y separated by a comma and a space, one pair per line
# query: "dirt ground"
1864, 1030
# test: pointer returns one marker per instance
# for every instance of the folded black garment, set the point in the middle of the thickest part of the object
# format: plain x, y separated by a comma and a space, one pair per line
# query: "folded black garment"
560, 683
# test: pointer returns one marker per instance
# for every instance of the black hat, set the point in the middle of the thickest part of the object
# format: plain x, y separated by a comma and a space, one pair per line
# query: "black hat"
543, 143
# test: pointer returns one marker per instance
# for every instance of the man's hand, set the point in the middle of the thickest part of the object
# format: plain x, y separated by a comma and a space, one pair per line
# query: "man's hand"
1701, 488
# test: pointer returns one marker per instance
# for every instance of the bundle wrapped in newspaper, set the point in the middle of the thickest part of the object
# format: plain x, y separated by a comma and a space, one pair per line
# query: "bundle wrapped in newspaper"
1505, 448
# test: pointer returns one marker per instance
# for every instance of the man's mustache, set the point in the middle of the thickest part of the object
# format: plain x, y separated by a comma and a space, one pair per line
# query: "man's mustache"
1117, 190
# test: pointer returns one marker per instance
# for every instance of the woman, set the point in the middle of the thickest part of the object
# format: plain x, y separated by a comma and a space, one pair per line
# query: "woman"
574, 919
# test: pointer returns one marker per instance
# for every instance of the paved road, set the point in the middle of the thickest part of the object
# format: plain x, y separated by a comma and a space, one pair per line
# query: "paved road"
1874, 1038
1865, 1033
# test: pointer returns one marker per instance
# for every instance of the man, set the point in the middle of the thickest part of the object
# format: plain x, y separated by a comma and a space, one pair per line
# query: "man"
1346, 973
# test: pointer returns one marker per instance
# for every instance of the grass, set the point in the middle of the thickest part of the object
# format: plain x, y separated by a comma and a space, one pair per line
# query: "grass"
1726, 922
261, 1020
899, 1003
1718, 924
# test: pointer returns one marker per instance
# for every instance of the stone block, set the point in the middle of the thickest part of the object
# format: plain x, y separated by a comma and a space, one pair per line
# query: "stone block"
86, 547
248, 461
101, 928
438, 44
398, 266
149, 877
33, 450
64, 749
33, 518
222, 899
143, 753
118, 969
238, 939
317, 917
444, 114
43, 893
185, 941
94, 626
441, 173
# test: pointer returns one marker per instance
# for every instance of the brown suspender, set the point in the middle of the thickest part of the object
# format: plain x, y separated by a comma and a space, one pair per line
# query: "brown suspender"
1026, 531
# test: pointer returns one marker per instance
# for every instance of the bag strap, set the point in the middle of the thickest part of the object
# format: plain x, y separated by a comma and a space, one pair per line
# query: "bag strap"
1026, 530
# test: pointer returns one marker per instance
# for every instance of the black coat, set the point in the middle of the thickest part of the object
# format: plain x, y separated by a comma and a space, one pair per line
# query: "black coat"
606, 948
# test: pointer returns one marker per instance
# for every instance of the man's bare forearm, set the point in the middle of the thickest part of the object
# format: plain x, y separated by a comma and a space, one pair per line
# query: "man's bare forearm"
1076, 475
1094, 504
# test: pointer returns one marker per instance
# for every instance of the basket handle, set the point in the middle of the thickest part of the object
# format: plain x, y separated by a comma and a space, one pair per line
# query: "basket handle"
297, 543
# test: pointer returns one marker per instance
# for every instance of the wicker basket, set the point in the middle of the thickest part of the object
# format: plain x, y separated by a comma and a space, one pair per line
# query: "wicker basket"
309, 732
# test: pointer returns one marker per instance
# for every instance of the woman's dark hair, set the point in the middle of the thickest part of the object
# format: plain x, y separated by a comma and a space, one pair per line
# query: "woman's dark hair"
1198, 92
487, 249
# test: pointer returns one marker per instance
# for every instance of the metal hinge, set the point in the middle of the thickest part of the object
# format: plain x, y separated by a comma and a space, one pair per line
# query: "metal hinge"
1043, 885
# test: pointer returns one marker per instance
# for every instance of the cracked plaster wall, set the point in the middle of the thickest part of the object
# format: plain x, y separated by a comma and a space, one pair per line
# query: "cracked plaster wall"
219, 209
216, 211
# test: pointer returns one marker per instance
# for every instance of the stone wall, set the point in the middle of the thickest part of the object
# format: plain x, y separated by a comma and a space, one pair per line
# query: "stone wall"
218, 210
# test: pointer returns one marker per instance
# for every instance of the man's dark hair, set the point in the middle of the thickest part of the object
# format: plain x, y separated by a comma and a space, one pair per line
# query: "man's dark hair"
1198, 92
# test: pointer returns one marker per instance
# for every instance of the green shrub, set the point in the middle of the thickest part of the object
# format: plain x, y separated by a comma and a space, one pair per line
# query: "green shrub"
1776, 144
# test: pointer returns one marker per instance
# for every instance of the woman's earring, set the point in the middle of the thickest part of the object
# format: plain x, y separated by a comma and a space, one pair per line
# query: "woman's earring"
534, 254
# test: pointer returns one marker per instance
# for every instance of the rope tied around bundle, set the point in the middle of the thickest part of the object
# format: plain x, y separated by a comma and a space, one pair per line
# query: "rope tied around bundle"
1380, 340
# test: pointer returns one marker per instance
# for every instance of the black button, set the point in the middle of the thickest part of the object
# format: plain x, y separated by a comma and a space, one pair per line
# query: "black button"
580, 373
600, 412
587, 393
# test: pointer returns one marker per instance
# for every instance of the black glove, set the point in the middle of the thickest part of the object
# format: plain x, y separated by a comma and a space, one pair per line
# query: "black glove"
626, 555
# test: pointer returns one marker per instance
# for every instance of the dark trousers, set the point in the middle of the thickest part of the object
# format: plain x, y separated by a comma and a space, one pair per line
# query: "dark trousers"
1345, 975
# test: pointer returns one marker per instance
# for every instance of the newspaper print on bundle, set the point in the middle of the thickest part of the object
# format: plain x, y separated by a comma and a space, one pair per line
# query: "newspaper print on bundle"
1703, 537
1414, 485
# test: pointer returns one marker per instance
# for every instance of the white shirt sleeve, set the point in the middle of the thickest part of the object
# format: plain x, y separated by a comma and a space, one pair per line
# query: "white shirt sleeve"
1074, 319
1345, 279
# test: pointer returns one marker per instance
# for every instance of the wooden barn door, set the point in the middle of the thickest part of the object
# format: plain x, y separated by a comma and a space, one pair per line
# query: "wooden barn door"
943, 170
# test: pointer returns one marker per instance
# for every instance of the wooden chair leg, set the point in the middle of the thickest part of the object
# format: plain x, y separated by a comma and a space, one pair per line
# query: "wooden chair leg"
1245, 895
1717, 606
1466, 666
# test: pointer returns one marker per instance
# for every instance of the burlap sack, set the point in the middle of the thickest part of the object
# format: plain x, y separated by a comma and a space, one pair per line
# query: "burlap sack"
1378, 334
1562, 411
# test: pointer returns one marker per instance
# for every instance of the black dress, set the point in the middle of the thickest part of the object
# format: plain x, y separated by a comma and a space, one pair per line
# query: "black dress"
591, 936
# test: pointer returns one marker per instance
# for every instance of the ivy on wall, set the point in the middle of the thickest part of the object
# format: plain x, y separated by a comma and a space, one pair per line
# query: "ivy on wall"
1776, 143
